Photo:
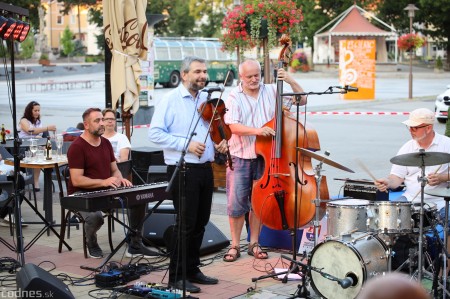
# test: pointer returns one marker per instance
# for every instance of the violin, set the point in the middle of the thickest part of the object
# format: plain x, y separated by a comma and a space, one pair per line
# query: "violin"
213, 111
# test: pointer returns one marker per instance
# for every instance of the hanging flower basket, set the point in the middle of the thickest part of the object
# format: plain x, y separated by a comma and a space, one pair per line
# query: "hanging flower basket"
410, 42
245, 25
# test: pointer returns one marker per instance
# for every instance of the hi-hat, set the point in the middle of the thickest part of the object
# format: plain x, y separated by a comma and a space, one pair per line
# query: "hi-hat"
439, 192
323, 159
421, 159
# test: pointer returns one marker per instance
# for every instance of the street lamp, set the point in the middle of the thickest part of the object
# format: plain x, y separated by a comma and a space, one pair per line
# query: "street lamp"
237, 3
410, 8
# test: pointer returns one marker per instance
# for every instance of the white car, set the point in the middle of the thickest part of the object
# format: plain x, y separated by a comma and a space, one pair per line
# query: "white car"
442, 104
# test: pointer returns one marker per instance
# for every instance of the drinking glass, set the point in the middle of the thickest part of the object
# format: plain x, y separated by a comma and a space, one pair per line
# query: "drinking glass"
33, 146
40, 156
59, 144
31, 131
28, 155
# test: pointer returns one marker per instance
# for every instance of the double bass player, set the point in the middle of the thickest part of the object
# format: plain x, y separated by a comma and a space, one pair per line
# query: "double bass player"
250, 105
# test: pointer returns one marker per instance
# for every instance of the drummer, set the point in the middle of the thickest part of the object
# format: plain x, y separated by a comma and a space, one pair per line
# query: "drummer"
421, 127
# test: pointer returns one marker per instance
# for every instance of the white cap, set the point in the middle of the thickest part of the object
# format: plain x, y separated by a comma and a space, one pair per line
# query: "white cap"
420, 116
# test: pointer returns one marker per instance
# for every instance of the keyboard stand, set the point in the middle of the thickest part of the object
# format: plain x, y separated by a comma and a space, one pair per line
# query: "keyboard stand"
111, 218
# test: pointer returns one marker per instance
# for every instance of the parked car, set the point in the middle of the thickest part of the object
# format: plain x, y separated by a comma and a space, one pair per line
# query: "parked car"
442, 104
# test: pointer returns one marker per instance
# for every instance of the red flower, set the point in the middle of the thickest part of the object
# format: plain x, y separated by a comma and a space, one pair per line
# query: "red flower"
410, 41
281, 16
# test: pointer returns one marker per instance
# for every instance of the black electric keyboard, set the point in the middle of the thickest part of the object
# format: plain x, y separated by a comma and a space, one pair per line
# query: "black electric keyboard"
124, 197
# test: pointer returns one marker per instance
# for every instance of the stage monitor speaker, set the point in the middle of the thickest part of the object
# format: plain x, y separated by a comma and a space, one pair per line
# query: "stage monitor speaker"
158, 227
35, 282
213, 239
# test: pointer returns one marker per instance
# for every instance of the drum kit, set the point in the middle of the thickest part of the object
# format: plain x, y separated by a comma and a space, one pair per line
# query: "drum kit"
361, 234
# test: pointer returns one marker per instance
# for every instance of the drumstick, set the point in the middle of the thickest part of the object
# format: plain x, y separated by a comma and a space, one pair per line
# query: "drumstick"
418, 192
364, 167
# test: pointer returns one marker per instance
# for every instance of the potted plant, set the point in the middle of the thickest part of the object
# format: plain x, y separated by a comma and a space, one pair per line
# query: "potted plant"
43, 60
247, 24
299, 62
410, 42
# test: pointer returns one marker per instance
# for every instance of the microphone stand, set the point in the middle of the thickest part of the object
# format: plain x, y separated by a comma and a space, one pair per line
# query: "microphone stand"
318, 176
293, 268
182, 198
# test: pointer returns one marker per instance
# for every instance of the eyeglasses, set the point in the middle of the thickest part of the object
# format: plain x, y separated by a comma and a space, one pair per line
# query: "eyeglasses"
416, 128
109, 119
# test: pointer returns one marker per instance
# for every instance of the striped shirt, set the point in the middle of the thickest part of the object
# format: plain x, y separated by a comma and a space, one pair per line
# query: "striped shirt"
251, 112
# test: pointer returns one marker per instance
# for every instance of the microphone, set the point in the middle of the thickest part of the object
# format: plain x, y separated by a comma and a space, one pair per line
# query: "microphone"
347, 88
220, 88
345, 282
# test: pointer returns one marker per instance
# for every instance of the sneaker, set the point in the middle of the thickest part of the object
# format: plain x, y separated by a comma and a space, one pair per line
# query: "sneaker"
6, 222
95, 251
140, 250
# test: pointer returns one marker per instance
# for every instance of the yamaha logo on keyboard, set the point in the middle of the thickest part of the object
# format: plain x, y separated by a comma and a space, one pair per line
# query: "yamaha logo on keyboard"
145, 196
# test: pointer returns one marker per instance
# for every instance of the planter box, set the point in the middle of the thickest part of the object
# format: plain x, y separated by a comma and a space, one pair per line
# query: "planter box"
44, 61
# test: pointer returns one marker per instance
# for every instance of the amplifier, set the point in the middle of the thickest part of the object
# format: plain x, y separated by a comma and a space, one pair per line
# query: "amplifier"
366, 191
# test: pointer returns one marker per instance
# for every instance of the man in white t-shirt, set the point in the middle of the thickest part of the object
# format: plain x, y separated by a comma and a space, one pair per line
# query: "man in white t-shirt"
420, 125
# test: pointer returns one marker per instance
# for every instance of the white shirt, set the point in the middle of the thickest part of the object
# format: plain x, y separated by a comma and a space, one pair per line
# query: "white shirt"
410, 174
118, 142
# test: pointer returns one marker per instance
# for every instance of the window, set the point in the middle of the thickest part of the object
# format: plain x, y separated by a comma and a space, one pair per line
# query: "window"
59, 20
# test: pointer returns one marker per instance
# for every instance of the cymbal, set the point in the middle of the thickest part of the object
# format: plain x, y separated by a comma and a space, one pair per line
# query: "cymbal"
439, 192
323, 159
421, 159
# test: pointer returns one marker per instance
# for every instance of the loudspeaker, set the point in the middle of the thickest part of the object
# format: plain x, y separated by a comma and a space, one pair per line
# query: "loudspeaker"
213, 239
35, 282
155, 225
159, 225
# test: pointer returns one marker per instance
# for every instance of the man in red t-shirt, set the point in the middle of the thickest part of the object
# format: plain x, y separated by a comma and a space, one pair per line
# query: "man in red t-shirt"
93, 167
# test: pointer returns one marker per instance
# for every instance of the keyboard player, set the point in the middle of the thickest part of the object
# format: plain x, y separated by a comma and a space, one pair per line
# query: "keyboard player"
93, 167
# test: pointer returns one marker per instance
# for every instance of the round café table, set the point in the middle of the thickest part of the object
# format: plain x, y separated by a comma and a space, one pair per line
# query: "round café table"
47, 166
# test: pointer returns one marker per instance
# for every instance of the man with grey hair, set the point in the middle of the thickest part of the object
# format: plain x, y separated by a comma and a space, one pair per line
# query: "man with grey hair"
176, 119
250, 106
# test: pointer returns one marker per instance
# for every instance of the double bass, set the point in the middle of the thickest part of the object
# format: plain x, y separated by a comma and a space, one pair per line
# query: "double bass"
285, 192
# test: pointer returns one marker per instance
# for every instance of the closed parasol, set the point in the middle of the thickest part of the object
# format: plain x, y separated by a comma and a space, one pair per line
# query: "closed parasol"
125, 26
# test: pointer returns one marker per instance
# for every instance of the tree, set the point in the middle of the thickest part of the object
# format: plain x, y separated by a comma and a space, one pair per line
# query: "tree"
181, 23
32, 6
210, 12
67, 43
69, 4
27, 47
432, 16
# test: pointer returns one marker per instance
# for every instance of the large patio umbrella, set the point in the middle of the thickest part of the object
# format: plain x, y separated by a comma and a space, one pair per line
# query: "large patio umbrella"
125, 27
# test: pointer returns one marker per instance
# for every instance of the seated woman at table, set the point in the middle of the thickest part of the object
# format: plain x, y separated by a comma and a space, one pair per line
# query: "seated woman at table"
120, 143
30, 126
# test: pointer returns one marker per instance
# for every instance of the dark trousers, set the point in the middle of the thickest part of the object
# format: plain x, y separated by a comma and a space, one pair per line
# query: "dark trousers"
199, 187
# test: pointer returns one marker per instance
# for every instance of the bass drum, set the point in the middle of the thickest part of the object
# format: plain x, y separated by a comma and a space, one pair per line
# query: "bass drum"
362, 258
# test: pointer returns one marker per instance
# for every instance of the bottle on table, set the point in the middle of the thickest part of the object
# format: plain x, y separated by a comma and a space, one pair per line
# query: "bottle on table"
3, 134
48, 149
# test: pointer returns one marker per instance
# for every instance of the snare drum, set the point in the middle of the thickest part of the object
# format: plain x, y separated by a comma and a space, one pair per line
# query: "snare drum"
390, 217
429, 212
346, 215
360, 259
